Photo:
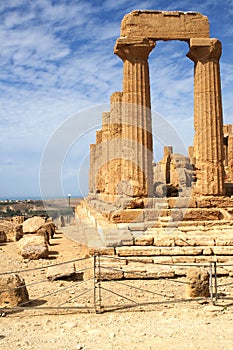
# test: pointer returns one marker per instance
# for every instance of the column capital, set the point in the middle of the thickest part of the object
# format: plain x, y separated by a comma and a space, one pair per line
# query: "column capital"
204, 50
133, 49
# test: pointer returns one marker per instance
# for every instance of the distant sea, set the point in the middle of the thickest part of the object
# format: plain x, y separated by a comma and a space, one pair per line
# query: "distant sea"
34, 198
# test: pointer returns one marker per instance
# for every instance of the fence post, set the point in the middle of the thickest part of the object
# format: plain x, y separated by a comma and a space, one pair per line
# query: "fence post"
97, 283
215, 282
211, 283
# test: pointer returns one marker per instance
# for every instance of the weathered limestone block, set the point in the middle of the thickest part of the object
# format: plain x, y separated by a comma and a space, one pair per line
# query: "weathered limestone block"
225, 250
13, 291
180, 271
197, 240
190, 228
181, 251
183, 241
148, 271
113, 261
206, 259
153, 214
33, 224
165, 25
144, 240
64, 271
47, 230
182, 202
184, 259
125, 237
13, 231
50, 228
108, 275
128, 215
140, 259
136, 226
226, 240
198, 282
138, 251
161, 251
203, 214
115, 237
88, 251
33, 247
16, 234
165, 241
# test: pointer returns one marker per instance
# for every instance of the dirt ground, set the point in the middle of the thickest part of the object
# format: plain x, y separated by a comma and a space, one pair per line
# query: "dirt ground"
166, 324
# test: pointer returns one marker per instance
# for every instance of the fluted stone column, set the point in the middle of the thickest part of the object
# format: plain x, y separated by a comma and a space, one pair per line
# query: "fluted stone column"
230, 157
137, 144
208, 121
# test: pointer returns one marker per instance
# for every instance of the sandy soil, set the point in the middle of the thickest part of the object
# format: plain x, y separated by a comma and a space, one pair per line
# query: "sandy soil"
163, 325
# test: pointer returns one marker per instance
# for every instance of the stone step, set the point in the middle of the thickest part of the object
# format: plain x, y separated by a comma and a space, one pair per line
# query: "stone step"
186, 225
177, 238
159, 267
173, 251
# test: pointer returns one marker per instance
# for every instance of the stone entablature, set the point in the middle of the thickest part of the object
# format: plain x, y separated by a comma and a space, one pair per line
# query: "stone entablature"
165, 25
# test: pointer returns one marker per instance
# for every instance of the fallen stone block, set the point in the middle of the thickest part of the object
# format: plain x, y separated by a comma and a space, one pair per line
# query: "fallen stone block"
33, 224
64, 271
13, 291
33, 247
197, 282
13, 231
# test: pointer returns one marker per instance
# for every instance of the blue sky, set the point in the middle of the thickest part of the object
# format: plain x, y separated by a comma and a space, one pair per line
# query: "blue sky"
57, 63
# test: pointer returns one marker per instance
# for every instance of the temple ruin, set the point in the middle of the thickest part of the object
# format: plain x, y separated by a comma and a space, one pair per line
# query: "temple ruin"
134, 203
121, 159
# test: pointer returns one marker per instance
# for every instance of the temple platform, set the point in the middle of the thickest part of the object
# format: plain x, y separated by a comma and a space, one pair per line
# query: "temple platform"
151, 242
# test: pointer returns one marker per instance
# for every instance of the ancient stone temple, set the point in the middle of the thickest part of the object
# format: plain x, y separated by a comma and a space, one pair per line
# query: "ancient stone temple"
121, 159
175, 210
